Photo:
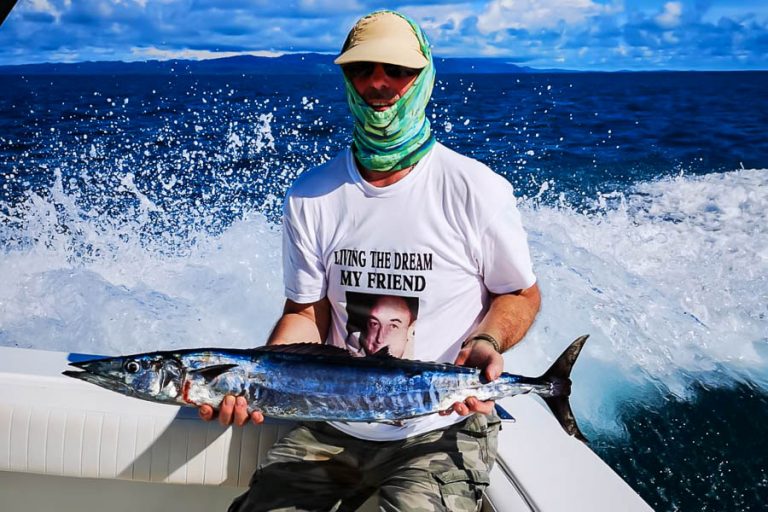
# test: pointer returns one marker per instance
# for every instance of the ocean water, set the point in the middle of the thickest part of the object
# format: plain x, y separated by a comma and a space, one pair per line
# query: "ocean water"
142, 212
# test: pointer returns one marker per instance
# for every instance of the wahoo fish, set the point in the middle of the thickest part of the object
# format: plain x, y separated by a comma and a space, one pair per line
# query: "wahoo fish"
314, 382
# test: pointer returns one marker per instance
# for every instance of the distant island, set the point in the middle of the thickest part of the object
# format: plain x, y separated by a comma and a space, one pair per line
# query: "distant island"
288, 64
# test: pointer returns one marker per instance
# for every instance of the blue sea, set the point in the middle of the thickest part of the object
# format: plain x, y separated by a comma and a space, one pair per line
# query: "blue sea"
143, 212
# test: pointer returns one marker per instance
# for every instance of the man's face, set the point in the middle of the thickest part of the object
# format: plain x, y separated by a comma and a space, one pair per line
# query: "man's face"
389, 325
380, 85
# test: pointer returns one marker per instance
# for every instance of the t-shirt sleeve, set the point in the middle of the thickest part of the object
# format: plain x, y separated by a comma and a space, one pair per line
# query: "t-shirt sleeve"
506, 260
303, 268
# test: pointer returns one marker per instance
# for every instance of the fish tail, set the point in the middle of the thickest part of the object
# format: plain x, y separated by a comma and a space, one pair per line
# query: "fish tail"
559, 374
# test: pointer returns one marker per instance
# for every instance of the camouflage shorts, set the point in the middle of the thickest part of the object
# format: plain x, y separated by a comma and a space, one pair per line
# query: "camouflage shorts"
317, 467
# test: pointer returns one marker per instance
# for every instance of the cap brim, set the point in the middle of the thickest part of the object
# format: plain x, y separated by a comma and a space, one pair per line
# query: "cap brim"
390, 52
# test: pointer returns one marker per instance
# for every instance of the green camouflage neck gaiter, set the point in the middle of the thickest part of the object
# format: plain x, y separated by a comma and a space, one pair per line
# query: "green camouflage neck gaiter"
400, 136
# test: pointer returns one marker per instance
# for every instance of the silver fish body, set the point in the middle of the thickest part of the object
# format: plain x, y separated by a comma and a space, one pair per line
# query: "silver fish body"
319, 383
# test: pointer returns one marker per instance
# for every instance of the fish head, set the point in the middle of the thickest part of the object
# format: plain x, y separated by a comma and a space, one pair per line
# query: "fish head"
156, 377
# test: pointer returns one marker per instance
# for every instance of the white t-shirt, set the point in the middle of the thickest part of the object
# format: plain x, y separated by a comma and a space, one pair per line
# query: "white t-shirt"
406, 266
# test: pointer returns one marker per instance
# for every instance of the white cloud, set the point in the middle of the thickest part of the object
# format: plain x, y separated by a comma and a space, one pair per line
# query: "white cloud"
714, 13
491, 51
43, 6
443, 25
140, 3
330, 5
670, 38
65, 55
160, 54
105, 9
535, 14
670, 16
432, 17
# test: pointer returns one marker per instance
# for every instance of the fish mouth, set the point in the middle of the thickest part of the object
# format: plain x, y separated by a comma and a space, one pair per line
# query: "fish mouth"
99, 379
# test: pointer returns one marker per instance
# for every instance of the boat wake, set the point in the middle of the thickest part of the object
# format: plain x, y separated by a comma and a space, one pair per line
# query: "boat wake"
668, 277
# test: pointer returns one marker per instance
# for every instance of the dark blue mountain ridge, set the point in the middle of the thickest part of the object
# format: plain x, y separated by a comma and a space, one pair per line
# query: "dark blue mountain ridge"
288, 64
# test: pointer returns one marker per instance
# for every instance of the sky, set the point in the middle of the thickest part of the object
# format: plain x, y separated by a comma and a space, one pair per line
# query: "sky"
565, 34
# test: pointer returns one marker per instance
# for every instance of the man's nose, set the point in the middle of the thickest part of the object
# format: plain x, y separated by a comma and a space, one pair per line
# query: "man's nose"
379, 77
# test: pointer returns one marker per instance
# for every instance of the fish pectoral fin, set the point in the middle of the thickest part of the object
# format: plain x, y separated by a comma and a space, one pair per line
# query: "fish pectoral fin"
211, 372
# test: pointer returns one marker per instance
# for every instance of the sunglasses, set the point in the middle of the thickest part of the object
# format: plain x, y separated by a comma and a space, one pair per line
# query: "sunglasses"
365, 69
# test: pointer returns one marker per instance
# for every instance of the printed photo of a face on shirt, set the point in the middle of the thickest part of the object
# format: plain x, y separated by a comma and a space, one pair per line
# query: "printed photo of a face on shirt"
379, 323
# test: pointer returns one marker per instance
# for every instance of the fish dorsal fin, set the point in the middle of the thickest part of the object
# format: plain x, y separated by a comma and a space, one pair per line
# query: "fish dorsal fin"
314, 349
383, 354
320, 349
211, 372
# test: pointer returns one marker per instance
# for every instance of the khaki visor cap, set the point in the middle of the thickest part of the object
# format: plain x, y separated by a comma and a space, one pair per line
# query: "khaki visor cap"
383, 37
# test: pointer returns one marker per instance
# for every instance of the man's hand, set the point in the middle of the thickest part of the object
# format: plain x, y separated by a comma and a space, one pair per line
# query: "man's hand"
507, 320
478, 354
232, 410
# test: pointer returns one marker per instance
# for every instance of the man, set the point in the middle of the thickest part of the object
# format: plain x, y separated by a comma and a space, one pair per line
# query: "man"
396, 213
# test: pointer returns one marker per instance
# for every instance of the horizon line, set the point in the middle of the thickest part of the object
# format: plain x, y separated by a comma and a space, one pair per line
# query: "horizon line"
279, 54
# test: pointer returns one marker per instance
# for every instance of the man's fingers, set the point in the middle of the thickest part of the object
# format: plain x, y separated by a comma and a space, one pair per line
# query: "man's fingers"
462, 357
241, 411
461, 408
475, 405
483, 356
227, 410
257, 417
205, 412
231, 410
494, 369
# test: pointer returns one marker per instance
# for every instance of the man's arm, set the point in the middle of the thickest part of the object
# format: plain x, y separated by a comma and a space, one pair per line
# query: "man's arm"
507, 320
510, 316
300, 323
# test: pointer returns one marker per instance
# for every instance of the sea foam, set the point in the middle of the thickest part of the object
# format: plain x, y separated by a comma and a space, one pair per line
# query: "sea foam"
669, 278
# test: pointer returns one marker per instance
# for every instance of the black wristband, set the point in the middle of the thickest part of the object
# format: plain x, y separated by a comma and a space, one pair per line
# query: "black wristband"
482, 336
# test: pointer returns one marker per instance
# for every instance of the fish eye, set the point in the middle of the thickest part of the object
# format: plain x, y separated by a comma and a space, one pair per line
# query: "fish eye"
132, 366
